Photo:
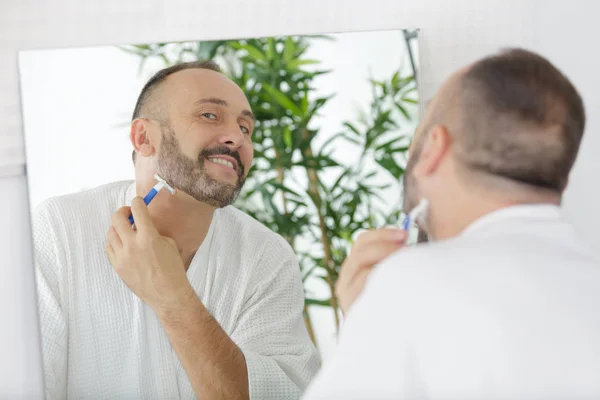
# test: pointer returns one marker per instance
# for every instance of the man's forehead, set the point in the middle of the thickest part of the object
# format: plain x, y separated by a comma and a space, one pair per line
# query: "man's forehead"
196, 84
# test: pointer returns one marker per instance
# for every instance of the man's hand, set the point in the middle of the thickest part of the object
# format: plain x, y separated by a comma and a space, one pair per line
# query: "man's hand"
148, 263
370, 248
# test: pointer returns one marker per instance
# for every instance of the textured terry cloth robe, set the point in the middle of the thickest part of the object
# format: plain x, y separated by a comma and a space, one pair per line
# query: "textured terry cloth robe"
101, 342
510, 309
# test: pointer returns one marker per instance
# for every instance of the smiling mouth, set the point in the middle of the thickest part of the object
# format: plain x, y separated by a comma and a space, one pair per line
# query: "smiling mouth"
222, 161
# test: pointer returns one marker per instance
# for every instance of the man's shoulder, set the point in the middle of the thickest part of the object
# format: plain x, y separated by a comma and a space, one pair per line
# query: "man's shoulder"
432, 266
81, 203
479, 259
422, 258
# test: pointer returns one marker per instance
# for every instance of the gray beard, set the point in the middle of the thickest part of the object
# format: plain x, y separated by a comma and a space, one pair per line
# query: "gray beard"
189, 176
422, 237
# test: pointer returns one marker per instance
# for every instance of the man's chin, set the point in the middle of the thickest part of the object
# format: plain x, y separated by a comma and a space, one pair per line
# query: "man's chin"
224, 199
224, 181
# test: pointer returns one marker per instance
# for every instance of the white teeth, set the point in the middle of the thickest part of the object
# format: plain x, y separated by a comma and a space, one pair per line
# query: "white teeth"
222, 162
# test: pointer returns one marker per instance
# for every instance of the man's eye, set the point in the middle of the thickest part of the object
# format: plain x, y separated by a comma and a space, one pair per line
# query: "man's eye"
244, 129
209, 115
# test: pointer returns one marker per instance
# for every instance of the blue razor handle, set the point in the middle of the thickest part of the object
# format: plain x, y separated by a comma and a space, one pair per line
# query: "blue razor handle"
406, 224
147, 200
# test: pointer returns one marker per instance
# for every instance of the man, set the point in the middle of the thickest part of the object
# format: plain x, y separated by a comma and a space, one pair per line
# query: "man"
198, 300
503, 301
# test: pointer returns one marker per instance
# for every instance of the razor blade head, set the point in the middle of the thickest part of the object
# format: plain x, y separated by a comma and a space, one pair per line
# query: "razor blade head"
419, 213
166, 185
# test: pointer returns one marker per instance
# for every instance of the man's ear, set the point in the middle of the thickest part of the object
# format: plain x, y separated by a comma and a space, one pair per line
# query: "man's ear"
434, 150
140, 137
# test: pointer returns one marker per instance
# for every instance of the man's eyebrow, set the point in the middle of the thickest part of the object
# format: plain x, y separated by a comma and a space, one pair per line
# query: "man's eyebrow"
221, 102
249, 114
212, 100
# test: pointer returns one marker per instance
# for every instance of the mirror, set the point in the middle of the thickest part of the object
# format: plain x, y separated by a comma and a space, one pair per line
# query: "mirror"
322, 155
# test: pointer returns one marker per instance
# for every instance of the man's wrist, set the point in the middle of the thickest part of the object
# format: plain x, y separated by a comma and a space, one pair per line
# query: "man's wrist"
184, 302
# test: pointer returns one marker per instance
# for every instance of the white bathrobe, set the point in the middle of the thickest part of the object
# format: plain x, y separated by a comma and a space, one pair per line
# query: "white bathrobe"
508, 310
101, 342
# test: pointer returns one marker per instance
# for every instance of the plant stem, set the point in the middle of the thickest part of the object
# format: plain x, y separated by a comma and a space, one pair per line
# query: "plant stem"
280, 180
309, 326
313, 183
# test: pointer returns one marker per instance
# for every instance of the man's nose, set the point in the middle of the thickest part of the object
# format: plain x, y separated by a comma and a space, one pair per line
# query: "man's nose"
232, 136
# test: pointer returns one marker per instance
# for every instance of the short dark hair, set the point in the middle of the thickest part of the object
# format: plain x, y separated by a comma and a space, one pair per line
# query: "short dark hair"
522, 119
142, 104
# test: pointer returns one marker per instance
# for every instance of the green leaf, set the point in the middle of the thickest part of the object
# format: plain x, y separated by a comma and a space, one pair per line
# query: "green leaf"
294, 64
388, 163
412, 101
355, 141
318, 162
326, 37
282, 99
288, 49
287, 136
283, 188
270, 52
331, 140
403, 111
339, 179
377, 83
207, 50
388, 144
394, 150
235, 45
312, 75
304, 103
408, 79
316, 302
352, 128
165, 59
321, 101
396, 79
255, 53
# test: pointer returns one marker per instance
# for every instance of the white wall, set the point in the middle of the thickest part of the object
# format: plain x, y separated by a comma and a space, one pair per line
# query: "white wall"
567, 35
453, 33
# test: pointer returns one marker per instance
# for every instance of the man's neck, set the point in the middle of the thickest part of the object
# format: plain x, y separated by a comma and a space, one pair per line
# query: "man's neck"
475, 194
460, 212
181, 218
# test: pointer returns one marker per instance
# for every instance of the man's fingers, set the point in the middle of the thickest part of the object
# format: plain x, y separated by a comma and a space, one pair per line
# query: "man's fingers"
350, 293
367, 257
370, 249
110, 253
378, 235
377, 252
141, 216
113, 238
120, 221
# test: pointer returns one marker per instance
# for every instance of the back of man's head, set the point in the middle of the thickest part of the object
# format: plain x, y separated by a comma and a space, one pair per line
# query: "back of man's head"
520, 119
503, 131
